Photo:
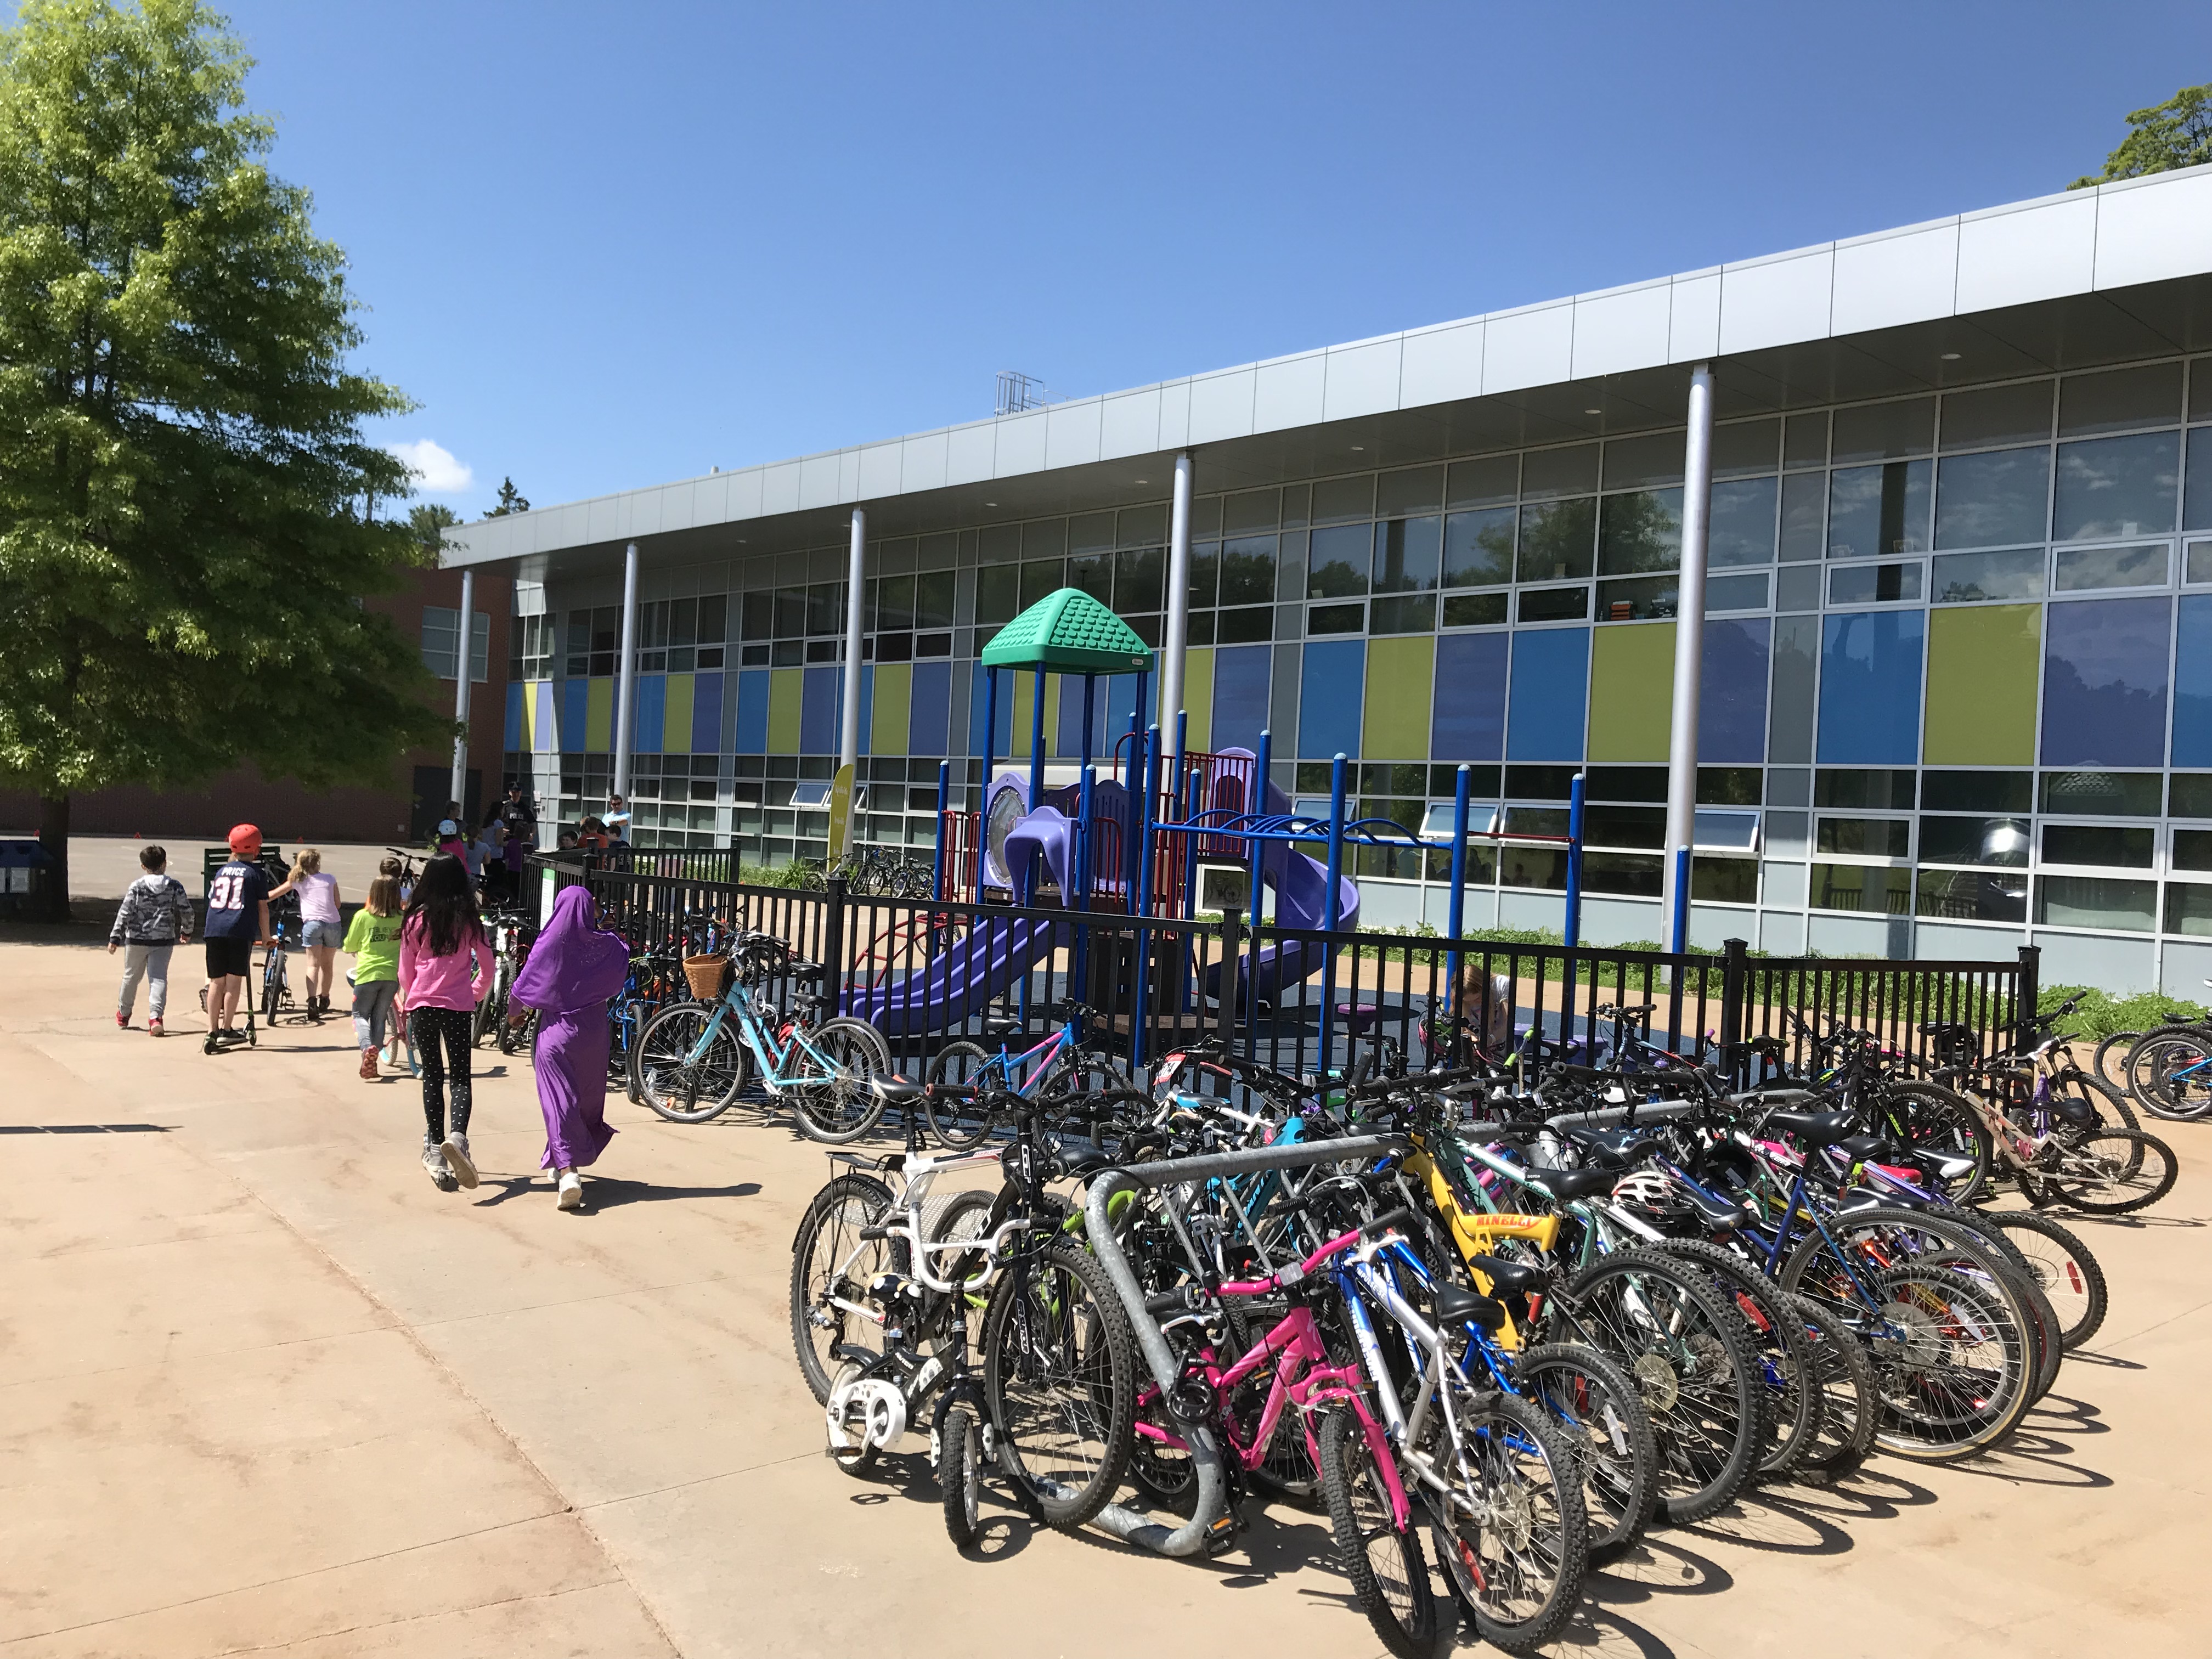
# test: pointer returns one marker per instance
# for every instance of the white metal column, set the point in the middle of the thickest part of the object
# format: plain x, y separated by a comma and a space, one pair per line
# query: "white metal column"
848, 729
1178, 629
1689, 654
626, 684
461, 687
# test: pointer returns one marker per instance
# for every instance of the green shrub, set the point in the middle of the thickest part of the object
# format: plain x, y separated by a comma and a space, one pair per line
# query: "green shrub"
2102, 1013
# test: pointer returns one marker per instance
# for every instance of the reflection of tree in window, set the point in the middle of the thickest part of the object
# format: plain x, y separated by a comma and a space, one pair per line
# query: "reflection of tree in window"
1479, 547
1878, 510
1639, 532
1406, 554
1337, 568
1247, 570
1557, 539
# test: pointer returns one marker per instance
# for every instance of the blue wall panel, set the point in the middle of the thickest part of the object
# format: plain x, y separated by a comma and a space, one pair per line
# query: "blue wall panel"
2103, 683
2192, 677
514, 714
978, 697
1468, 721
748, 731
707, 715
1240, 695
929, 715
817, 712
575, 695
1732, 692
1330, 686
1068, 740
1871, 688
1550, 705
652, 704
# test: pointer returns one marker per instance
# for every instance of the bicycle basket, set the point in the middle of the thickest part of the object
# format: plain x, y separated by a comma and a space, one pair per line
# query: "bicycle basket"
709, 977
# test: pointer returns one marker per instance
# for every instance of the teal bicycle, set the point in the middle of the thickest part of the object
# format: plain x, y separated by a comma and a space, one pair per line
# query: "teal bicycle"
695, 1058
965, 1077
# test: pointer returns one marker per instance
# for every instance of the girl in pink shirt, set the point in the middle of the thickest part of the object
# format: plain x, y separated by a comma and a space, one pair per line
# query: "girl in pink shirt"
444, 967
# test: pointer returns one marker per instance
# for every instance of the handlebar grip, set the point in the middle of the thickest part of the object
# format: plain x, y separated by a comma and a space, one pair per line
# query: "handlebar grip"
1400, 1216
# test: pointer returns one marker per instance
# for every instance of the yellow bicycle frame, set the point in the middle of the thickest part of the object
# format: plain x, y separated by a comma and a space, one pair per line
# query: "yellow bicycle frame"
1474, 1231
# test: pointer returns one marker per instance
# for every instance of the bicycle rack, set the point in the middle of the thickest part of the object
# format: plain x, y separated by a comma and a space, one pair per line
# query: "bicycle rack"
1128, 1524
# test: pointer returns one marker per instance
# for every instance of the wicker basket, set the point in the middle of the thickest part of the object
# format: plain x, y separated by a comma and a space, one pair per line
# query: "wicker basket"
709, 977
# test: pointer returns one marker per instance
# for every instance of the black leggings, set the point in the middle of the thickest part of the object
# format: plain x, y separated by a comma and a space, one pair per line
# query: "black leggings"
456, 1026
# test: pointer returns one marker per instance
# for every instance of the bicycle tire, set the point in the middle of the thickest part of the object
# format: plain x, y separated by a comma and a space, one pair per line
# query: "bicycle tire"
2104, 1171
1702, 1390
1381, 1560
2062, 1267
672, 1086
960, 1475
1845, 1375
1794, 1406
272, 987
832, 1097
2110, 1105
1941, 1121
828, 1258
958, 1064
2150, 1075
1058, 1350
1520, 1453
1603, 1422
2110, 1061
519, 1039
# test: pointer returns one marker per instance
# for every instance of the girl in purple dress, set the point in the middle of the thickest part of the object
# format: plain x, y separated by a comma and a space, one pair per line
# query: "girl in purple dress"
575, 969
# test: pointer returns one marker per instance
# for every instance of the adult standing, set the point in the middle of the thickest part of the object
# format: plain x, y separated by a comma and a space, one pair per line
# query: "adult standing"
520, 819
237, 920
575, 969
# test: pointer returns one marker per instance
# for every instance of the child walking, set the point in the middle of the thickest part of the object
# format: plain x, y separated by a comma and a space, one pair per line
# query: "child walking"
574, 968
320, 930
399, 1048
155, 917
442, 945
373, 942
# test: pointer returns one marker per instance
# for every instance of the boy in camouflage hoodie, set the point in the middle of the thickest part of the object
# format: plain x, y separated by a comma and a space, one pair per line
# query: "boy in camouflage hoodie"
155, 917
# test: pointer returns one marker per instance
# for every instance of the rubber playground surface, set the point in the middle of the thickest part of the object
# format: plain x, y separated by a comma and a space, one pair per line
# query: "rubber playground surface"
261, 1387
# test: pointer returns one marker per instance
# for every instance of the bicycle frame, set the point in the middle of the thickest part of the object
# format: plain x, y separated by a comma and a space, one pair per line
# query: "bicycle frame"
919, 1174
753, 1032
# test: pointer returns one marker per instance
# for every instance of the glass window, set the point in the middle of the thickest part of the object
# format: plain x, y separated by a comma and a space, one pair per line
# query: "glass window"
1627, 783
2117, 399
1797, 588
1141, 579
2192, 849
1479, 547
2101, 795
1490, 481
1336, 618
1970, 896
1724, 785
1548, 472
2083, 568
1047, 538
1993, 499
2191, 796
2189, 909
1093, 573
1878, 890
2198, 565
1881, 432
2197, 500
1247, 570
1870, 838
932, 598
1742, 446
1205, 574
1141, 526
2104, 681
1804, 515
1414, 614
1093, 532
1474, 610
1640, 530
1743, 593
998, 594
1625, 826
790, 613
1874, 584
1805, 439
1634, 463
1879, 789
1797, 647
759, 616
1413, 493
2097, 843
1251, 510
1963, 577
1627, 874
1557, 540
1639, 600
1725, 881
1042, 576
2095, 902
1554, 604
1406, 554
1977, 791
1246, 626
1336, 500
1741, 530
1714, 828
1991, 415
895, 604
1337, 567
2115, 487
1878, 510
1974, 840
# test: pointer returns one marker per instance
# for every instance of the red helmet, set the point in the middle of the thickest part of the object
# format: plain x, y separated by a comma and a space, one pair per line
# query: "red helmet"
246, 842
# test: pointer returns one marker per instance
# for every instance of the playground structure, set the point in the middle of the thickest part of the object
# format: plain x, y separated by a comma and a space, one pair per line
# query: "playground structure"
1167, 833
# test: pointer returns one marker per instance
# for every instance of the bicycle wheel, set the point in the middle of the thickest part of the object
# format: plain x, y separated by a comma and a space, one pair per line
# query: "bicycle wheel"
2110, 1105
834, 1069
831, 1268
2062, 1268
1060, 1378
679, 1078
958, 1121
960, 1475
1602, 1422
519, 1039
2169, 1072
2103, 1171
1381, 1559
1935, 1121
1784, 1359
1701, 1382
272, 987
1514, 1540
1844, 1376
2110, 1063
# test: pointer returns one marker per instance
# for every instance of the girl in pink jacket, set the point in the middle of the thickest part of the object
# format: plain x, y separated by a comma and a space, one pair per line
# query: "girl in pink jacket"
445, 967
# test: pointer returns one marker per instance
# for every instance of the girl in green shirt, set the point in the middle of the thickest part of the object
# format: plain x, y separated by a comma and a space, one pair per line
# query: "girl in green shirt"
373, 942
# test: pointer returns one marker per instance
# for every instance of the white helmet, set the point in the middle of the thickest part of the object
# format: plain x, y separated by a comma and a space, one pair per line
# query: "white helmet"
1649, 1192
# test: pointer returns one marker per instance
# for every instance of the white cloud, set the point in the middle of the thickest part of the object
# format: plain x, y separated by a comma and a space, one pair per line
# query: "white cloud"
436, 472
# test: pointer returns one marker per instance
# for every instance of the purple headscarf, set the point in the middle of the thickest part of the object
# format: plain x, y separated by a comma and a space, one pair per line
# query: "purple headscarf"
574, 964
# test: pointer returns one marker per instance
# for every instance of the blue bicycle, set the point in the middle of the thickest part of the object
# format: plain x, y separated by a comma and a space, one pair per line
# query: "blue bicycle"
965, 1077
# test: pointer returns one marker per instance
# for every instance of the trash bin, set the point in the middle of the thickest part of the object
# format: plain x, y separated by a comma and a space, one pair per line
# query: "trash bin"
27, 879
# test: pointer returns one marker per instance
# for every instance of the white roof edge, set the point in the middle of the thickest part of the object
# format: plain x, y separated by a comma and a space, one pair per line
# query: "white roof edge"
2193, 186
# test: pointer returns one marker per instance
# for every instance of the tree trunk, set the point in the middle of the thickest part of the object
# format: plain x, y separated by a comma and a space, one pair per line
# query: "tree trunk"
54, 837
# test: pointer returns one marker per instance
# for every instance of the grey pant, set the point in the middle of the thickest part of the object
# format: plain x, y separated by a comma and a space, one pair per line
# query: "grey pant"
371, 1010
151, 964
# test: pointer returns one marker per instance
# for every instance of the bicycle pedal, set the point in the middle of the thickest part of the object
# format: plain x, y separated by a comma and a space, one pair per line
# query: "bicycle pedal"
1221, 1536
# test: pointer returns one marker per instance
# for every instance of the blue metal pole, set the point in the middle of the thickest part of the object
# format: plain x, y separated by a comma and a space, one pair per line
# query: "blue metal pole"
1144, 899
1193, 789
1573, 930
1455, 914
1182, 729
1331, 908
990, 742
944, 803
1037, 743
1083, 829
1678, 931
1255, 897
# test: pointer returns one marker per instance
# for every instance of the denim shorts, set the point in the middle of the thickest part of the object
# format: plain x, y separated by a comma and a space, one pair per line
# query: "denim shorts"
328, 934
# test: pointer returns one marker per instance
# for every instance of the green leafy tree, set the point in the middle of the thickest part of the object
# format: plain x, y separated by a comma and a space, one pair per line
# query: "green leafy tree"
2176, 133
427, 521
511, 499
182, 549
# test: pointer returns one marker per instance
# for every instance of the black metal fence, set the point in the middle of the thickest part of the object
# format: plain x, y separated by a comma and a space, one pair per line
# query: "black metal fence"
1298, 1000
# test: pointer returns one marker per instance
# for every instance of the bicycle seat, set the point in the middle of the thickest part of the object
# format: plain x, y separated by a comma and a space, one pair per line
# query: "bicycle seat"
1859, 1147
1936, 1028
1457, 1305
1000, 1025
1081, 1158
1508, 1278
1814, 1128
1359, 1017
1630, 1144
1574, 1183
1717, 1213
806, 973
895, 1091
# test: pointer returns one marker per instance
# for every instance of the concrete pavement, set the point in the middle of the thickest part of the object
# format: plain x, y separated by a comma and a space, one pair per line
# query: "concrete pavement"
263, 1388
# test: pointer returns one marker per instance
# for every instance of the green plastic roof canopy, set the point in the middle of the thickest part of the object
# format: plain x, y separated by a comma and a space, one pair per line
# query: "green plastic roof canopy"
1068, 632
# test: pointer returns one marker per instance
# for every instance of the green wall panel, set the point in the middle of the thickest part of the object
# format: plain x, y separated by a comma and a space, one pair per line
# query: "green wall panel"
894, 698
599, 716
1198, 695
1631, 692
1983, 664
787, 694
1400, 679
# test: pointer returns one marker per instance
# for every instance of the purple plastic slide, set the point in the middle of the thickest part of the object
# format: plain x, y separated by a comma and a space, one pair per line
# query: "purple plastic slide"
1301, 887
972, 974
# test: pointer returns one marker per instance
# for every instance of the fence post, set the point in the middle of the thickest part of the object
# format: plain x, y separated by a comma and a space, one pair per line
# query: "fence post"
1226, 977
833, 943
1735, 973
2031, 989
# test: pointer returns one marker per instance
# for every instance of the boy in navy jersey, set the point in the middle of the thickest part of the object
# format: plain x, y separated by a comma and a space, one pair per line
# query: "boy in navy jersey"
237, 920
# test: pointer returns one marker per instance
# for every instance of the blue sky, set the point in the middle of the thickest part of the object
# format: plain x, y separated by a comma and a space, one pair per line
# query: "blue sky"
604, 246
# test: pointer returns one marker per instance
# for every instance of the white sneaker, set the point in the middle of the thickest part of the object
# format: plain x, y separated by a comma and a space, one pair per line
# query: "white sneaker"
434, 1160
458, 1161
571, 1190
